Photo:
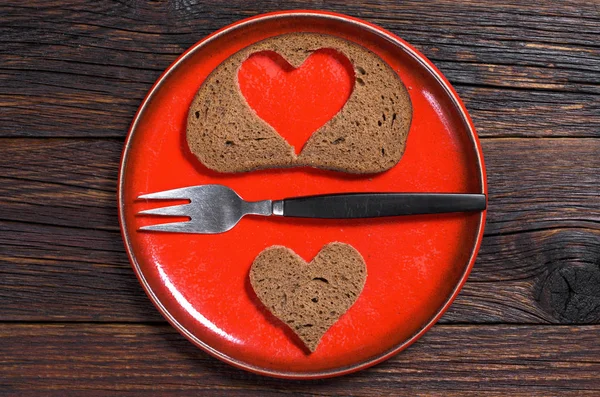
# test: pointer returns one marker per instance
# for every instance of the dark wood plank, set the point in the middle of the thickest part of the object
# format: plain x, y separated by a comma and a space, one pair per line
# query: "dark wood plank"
82, 68
541, 183
507, 113
88, 359
60, 181
533, 183
543, 232
534, 277
57, 273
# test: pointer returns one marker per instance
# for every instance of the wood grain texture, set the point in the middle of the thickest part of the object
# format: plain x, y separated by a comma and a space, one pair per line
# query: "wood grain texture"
62, 249
92, 359
81, 69
73, 317
533, 183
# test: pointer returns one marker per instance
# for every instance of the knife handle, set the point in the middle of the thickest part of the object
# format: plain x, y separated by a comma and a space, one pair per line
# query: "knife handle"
373, 205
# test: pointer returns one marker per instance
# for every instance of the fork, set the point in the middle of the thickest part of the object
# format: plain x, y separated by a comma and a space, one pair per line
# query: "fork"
217, 208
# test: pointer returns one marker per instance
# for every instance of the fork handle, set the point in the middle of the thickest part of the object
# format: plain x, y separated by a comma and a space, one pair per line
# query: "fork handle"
372, 205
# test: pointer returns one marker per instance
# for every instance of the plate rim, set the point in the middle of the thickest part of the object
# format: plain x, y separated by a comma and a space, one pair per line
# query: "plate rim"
419, 57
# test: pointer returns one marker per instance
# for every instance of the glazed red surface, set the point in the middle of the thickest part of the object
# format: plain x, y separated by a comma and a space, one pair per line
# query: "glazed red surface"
414, 263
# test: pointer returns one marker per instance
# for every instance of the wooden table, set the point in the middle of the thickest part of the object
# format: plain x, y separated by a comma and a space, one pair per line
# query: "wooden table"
75, 321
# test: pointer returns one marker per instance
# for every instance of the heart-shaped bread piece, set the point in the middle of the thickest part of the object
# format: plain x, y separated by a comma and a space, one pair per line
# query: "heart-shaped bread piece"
309, 297
367, 135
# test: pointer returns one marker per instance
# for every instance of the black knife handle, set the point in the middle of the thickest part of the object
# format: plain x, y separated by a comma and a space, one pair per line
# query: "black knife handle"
372, 205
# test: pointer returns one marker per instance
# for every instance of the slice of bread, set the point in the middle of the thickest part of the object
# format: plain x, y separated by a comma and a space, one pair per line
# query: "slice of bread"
368, 135
309, 297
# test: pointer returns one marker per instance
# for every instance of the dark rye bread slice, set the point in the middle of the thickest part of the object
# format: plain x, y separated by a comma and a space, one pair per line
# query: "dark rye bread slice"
309, 297
367, 135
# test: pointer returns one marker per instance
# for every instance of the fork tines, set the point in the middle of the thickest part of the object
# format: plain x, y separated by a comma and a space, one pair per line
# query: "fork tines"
174, 210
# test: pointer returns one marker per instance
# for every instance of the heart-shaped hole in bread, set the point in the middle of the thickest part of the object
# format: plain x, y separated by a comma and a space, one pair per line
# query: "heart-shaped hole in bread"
296, 101
309, 297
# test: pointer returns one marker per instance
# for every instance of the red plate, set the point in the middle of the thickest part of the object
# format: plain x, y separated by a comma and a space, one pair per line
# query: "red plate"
416, 265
